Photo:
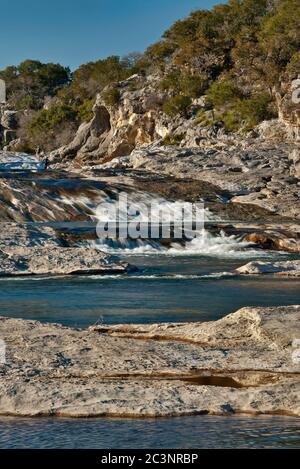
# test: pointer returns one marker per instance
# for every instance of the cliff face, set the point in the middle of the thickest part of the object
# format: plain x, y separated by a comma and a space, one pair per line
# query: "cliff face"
137, 119
288, 103
116, 130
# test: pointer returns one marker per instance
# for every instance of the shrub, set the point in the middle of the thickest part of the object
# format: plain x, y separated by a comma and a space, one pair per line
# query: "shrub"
160, 51
172, 139
85, 110
109, 70
49, 119
255, 109
26, 102
177, 105
205, 118
111, 96
231, 120
293, 67
53, 76
279, 36
194, 85
220, 93
171, 82
247, 113
34, 78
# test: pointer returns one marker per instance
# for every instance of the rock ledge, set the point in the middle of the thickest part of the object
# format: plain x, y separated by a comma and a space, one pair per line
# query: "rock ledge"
247, 362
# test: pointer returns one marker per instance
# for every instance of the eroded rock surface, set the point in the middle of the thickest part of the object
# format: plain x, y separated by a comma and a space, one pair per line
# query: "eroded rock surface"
275, 236
288, 104
40, 250
254, 173
245, 362
56, 261
14, 235
116, 130
288, 268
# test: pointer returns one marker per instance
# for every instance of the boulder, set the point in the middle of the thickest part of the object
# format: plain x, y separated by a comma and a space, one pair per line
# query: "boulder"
9, 119
288, 268
20, 261
295, 160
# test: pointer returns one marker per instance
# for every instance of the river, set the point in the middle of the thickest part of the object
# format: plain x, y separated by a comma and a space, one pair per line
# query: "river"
173, 284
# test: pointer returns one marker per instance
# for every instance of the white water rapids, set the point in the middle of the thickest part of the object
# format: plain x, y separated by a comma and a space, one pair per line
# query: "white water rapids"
59, 200
203, 243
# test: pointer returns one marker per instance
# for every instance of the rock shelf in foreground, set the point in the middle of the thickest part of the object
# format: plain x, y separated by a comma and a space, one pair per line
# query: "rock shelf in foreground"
154, 370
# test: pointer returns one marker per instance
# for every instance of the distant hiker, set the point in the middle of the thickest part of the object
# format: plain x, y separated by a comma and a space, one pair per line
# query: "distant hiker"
46, 163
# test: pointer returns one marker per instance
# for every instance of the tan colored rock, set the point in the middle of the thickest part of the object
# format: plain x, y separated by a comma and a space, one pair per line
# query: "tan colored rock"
116, 130
246, 362
288, 104
269, 236
295, 159
275, 240
288, 268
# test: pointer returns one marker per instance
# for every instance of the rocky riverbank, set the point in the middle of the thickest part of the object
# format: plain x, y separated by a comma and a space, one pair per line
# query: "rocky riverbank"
251, 192
247, 362
242, 176
251, 172
256, 169
57, 261
33, 250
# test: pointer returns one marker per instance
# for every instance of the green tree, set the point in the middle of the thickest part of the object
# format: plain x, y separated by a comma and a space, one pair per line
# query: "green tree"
112, 96
222, 93
293, 67
280, 32
50, 119
177, 105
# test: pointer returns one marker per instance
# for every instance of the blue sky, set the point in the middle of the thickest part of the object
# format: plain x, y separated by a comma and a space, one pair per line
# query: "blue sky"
73, 32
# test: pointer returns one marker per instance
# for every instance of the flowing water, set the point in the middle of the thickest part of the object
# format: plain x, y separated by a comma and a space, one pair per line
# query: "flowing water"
167, 289
177, 282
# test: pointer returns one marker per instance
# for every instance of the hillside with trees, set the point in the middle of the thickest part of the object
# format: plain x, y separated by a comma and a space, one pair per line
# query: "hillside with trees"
236, 54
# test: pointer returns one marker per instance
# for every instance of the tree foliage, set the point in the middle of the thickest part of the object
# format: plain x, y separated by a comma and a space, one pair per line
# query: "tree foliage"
29, 82
177, 105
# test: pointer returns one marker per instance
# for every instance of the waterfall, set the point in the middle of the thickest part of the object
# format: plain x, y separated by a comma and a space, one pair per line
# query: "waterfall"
203, 244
